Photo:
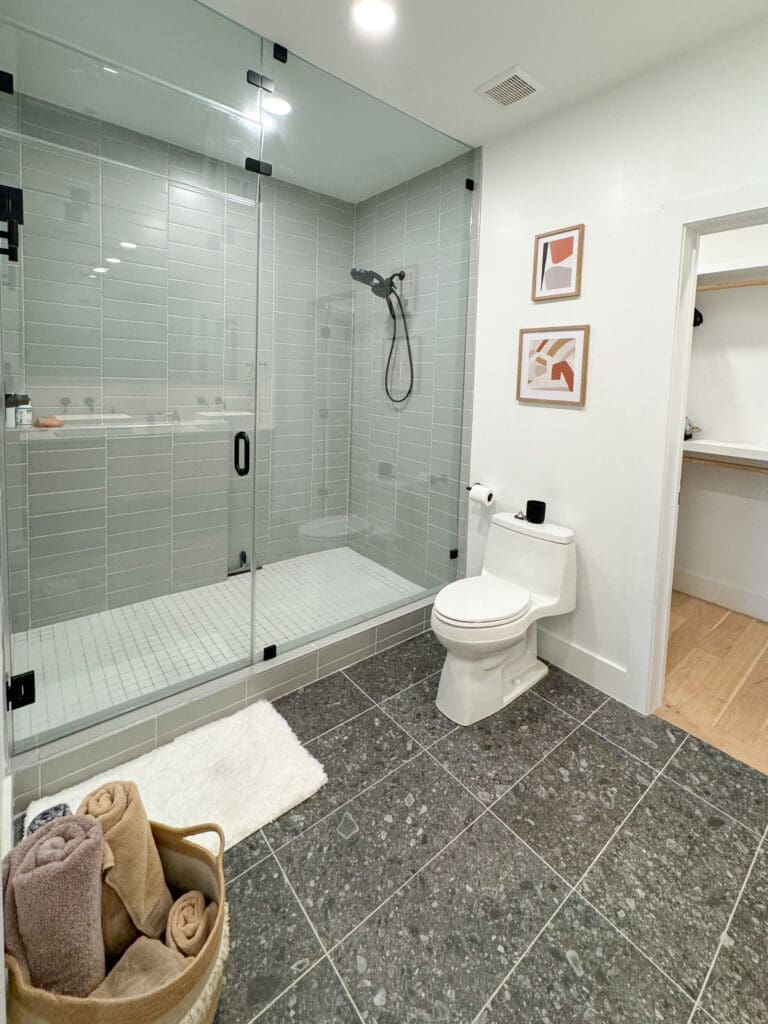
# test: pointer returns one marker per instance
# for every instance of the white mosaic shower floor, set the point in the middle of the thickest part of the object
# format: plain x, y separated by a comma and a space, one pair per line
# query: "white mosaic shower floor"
85, 667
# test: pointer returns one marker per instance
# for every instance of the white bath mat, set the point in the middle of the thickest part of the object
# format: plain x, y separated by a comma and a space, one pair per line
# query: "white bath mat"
240, 772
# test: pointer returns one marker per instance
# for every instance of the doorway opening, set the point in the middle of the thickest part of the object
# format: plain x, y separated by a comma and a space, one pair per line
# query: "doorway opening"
716, 671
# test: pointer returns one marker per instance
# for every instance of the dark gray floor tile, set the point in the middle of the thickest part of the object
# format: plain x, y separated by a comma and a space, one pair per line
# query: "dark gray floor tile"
244, 855
645, 736
392, 670
343, 869
491, 755
737, 990
416, 711
581, 970
670, 879
271, 943
569, 693
440, 947
354, 755
321, 706
318, 998
569, 806
730, 785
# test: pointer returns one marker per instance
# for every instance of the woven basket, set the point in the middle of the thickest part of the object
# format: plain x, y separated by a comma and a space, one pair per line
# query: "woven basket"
192, 996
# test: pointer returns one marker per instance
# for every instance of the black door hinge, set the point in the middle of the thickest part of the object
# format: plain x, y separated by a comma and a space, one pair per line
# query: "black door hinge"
258, 166
20, 691
469, 184
260, 81
12, 213
454, 553
270, 652
6, 82
280, 52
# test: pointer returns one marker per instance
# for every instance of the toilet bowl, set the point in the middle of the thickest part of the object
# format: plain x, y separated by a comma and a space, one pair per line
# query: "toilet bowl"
488, 623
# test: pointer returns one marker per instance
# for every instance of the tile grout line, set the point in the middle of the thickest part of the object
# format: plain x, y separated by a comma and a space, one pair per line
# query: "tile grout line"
628, 815
634, 945
729, 922
624, 750
486, 1005
407, 881
314, 932
487, 808
285, 990
367, 789
708, 803
574, 888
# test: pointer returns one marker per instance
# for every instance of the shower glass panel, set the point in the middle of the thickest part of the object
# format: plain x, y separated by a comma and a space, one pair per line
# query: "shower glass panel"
166, 302
130, 320
357, 495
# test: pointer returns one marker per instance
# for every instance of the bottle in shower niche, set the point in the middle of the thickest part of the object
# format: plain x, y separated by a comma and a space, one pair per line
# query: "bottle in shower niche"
11, 401
23, 411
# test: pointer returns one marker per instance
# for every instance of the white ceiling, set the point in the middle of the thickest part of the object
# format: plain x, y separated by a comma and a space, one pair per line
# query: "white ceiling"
441, 50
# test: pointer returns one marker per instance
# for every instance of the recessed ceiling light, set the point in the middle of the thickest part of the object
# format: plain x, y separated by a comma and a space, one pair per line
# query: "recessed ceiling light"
275, 105
111, 71
128, 245
374, 15
99, 270
112, 259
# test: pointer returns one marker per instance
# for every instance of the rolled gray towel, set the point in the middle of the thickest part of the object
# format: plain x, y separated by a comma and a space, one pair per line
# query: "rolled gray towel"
49, 814
52, 906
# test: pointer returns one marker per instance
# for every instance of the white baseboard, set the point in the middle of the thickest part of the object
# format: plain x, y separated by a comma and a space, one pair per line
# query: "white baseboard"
735, 598
599, 672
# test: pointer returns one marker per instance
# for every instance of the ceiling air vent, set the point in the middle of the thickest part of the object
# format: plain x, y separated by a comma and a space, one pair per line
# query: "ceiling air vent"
509, 87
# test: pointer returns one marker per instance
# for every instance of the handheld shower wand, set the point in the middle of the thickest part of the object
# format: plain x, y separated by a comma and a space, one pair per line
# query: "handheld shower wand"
385, 288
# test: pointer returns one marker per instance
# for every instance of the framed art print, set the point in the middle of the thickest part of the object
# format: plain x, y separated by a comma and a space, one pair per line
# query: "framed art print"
557, 264
552, 365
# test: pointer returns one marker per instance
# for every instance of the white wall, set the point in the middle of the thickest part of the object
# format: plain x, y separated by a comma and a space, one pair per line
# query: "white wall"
721, 554
732, 250
728, 385
634, 165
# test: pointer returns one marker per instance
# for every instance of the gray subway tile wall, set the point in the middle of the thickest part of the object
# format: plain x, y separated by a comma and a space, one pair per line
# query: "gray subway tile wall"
102, 518
404, 476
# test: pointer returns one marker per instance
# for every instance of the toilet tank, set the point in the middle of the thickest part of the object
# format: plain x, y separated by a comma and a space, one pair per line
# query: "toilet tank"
539, 557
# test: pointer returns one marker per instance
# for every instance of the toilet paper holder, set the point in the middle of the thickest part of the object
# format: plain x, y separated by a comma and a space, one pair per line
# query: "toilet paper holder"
486, 498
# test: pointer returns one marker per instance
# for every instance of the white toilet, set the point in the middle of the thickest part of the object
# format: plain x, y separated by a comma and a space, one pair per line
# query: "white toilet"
488, 622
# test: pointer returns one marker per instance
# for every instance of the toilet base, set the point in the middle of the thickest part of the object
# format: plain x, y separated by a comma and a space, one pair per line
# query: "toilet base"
472, 688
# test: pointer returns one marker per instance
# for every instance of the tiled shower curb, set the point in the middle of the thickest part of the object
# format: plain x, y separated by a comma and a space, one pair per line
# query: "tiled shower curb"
67, 761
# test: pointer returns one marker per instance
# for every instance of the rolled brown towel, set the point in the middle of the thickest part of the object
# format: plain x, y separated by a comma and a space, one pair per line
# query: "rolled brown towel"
190, 923
52, 906
146, 965
135, 898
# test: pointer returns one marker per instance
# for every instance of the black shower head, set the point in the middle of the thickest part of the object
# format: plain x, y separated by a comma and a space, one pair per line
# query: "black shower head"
381, 286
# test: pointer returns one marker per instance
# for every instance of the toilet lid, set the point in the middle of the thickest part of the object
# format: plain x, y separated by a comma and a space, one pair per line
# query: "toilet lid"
482, 601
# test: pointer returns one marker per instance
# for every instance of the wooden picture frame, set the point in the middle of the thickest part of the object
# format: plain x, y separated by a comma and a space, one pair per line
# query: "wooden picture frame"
557, 263
552, 365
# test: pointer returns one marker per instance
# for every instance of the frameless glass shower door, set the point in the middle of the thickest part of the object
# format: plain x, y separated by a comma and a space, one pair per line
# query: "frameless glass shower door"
242, 294
357, 489
129, 321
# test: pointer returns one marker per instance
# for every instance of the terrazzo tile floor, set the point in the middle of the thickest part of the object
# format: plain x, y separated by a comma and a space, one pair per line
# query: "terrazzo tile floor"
563, 861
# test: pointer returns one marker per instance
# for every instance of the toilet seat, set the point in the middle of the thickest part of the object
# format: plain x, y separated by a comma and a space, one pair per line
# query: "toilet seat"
482, 601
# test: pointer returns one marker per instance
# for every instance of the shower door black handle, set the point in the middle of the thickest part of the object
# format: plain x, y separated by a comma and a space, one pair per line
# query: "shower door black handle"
242, 453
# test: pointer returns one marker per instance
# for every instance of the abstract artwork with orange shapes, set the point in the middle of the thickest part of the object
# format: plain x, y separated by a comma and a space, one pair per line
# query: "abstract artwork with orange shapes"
557, 259
552, 365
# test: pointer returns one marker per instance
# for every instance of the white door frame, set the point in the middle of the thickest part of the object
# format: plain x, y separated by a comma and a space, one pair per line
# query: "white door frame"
704, 215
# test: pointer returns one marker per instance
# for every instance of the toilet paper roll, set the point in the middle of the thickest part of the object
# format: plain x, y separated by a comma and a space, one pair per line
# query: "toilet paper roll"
482, 495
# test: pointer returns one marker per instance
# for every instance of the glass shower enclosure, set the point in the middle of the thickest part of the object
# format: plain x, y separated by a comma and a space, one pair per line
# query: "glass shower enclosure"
214, 471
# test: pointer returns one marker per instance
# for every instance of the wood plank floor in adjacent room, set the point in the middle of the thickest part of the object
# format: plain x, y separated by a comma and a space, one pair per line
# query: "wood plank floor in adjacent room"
717, 678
